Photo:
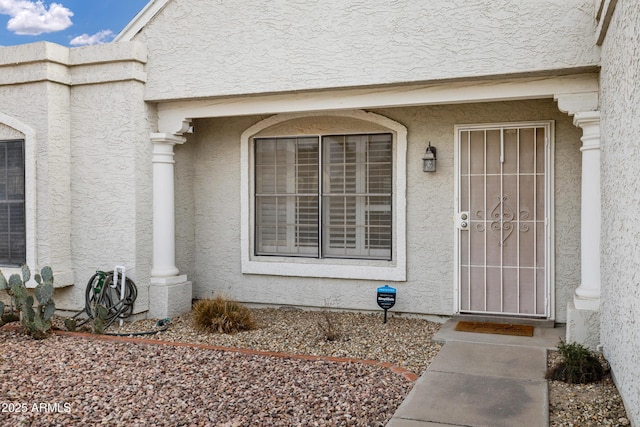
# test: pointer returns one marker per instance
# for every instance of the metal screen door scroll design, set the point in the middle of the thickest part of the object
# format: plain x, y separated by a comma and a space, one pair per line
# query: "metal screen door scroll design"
501, 220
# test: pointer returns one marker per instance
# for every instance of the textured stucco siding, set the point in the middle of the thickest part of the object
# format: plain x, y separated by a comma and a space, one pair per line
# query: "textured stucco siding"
7, 132
111, 185
273, 46
429, 288
89, 130
43, 107
620, 109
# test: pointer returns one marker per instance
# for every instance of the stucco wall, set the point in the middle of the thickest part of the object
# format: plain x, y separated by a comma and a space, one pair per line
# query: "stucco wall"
7, 132
620, 109
43, 107
429, 286
266, 46
89, 131
111, 185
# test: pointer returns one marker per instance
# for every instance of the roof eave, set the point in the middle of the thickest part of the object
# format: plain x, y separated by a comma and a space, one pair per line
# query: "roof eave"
141, 20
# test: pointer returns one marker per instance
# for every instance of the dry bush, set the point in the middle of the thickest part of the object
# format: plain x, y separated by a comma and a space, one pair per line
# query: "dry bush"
330, 329
222, 315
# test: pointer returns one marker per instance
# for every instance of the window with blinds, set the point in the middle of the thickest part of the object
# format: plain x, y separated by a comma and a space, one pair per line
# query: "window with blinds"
12, 208
324, 196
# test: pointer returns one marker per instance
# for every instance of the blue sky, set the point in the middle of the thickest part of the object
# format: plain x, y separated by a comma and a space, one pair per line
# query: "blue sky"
66, 22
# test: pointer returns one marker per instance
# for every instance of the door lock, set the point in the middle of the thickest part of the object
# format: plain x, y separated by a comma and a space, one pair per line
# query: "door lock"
463, 220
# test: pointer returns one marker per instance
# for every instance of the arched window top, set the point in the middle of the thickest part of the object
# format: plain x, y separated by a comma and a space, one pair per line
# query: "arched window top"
352, 121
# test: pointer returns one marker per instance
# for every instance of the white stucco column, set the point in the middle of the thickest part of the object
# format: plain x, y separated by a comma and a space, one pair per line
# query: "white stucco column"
587, 296
169, 293
164, 245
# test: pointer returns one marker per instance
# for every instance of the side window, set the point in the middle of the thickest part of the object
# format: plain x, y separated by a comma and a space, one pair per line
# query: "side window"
12, 203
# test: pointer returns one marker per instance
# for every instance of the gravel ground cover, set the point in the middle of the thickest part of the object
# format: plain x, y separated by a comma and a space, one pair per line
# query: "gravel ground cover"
122, 384
404, 342
79, 382
585, 405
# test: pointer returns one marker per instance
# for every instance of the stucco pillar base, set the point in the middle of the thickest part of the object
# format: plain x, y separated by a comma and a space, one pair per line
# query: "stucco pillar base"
583, 326
169, 297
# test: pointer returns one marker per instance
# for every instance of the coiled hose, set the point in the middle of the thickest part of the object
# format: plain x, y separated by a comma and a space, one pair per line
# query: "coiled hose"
103, 291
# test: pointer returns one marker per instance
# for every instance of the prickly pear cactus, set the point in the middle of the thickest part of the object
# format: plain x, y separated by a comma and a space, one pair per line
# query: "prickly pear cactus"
70, 324
36, 321
17, 290
47, 275
26, 273
11, 315
100, 314
48, 310
3, 282
44, 293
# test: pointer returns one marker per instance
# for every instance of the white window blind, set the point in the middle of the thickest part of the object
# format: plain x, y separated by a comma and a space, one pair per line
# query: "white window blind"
345, 213
287, 196
357, 196
12, 209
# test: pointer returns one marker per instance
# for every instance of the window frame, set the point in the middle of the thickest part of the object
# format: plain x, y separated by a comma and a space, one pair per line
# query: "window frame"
360, 122
12, 128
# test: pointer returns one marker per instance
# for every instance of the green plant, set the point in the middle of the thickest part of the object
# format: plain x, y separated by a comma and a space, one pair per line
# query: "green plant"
36, 321
578, 365
9, 316
222, 315
70, 324
100, 314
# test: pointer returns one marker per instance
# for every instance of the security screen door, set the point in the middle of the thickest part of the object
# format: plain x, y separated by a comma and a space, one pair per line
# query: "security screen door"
501, 220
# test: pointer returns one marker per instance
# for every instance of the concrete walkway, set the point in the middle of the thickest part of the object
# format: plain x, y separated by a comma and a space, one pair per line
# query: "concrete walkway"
482, 380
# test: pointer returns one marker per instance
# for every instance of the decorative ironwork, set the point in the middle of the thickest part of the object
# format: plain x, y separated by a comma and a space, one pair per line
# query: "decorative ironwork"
480, 225
524, 215
503, 217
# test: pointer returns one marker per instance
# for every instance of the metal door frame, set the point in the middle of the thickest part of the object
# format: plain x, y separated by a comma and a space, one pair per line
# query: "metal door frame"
549, 126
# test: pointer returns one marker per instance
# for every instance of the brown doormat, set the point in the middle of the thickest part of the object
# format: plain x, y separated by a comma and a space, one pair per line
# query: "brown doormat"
495, 328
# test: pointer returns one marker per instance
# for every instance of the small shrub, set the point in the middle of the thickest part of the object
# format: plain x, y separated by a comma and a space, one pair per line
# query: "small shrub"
222, 315
330, 329
579, 365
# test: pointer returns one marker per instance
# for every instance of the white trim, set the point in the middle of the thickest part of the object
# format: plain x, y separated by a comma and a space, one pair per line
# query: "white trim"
584, 87
29, 188
550, 212
572, 103
549, 208
141, 20
394, 270
604, 13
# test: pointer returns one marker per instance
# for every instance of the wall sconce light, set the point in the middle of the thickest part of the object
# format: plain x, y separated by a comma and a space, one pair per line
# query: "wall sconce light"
429, 159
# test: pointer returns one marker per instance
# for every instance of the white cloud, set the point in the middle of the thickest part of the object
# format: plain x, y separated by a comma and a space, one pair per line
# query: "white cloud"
100, 37
33, 18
